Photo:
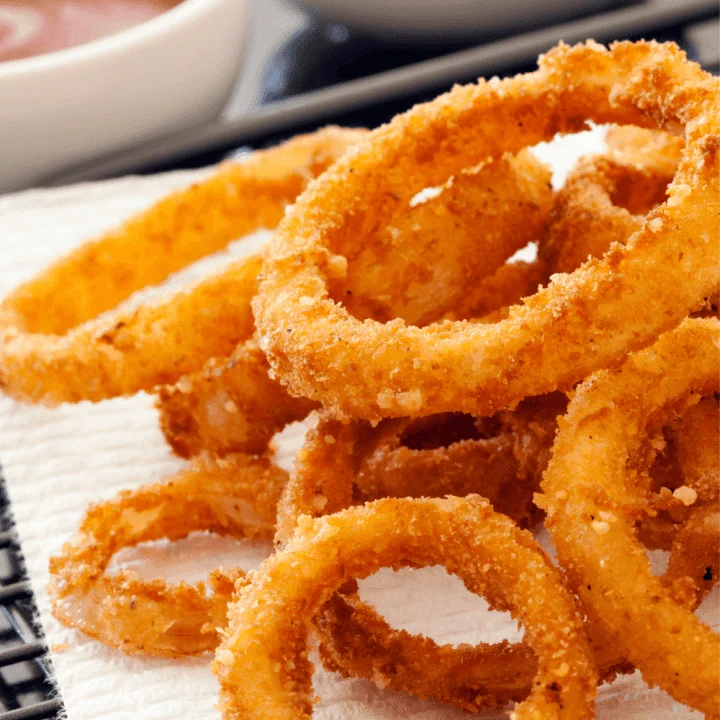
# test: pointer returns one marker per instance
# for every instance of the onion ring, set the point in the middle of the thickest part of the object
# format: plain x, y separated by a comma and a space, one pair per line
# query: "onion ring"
262, 662
219, 410
236, 496
354, 639
373, 370
501, 458
592, 502
230, 406
490, 211
66, 355
603, 201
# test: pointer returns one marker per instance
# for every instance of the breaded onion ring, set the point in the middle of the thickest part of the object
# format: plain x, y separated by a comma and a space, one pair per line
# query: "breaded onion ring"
592, 499
52, 349
121, 354
263, 663
501, 458
602, 202
230, 406
219, 409
410, 270
579, 323
354, 639
236, 496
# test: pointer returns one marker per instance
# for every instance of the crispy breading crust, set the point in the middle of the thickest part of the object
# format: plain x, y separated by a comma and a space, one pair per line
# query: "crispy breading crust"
235, 496
579, 323
52, 349
262, 663
592, 500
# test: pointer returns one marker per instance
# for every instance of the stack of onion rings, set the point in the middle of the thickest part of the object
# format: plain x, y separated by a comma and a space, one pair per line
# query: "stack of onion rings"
389, 303
373, 370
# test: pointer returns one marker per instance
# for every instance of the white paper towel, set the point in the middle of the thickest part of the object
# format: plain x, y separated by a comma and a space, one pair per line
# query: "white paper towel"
57, 461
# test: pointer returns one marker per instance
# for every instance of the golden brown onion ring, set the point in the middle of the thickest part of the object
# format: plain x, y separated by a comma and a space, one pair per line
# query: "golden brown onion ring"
592, 502
230, 406
354, 639
580, 322
410, 270
223, 409
263, 663
64, 354
236, 496
501, 458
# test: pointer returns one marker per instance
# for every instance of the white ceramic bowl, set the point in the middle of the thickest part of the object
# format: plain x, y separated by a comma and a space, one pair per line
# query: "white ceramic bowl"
448, 20
167, 74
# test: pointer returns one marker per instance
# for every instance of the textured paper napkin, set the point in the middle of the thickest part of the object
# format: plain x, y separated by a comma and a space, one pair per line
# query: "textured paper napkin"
57, 461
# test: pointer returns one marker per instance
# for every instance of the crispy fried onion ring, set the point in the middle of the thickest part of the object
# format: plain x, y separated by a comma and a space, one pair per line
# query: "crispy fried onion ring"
52, 347
580, 322
354, 639
232, 405
593, 494
603, 201
501, 458
236, 496
409, 270
263, 662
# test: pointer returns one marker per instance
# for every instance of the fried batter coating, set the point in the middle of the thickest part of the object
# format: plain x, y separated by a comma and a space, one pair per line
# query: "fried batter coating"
501, 458
263, 663
230, 406
431, 255
52, 349
592, 498
580, 322
603, 201
343, 463
222, 408
236, 496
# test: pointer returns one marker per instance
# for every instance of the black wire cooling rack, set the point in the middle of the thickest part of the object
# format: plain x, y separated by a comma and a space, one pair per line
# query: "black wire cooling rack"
26, 688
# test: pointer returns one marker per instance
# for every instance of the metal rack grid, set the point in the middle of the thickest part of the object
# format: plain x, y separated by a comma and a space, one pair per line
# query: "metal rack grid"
26, 688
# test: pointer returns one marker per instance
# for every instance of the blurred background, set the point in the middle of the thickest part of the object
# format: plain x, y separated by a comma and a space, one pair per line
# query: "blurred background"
97, 88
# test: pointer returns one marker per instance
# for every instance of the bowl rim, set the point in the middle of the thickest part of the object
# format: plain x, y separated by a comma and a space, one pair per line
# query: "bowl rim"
165, 23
